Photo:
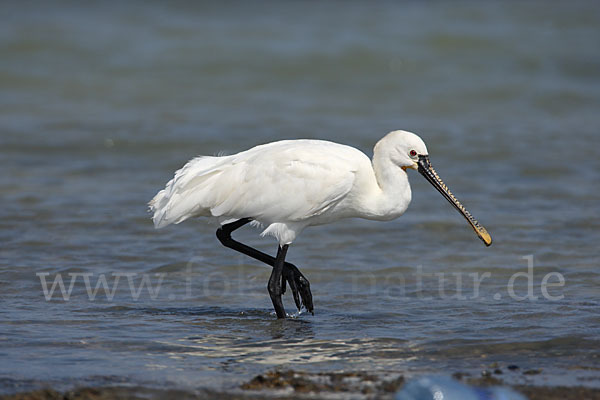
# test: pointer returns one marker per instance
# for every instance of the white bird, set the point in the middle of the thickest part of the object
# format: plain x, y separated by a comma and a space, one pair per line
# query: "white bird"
289, 185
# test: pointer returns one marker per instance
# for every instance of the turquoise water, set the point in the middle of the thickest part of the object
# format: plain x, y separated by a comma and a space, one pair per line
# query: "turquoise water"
100, 103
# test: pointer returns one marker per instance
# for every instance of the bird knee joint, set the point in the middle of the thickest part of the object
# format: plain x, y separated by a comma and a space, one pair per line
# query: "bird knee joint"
223, 236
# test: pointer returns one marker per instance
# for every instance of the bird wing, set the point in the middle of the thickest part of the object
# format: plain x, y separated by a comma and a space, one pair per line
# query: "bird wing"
286, 181
277, 182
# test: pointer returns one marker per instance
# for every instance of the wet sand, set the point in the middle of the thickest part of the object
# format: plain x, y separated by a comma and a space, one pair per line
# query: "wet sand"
288, 384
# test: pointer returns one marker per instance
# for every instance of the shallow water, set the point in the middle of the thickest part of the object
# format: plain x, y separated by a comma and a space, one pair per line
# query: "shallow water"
101, 103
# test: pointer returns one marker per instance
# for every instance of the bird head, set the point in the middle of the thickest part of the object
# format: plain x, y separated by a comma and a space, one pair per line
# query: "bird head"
404, 148
408, 151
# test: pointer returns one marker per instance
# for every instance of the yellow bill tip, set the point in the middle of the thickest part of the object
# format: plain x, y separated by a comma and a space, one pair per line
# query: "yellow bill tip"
484, 235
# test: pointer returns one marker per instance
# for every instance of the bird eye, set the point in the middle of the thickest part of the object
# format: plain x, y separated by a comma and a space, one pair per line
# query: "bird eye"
413, 153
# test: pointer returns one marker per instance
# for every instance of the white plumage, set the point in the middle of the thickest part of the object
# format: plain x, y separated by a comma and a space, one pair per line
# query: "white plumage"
288, 185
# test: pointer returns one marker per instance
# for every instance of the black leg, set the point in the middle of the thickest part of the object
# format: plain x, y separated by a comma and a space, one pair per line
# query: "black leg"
275, 284
290, 273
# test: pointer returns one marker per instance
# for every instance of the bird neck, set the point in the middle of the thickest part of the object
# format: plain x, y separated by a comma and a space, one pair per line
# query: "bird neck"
395, 194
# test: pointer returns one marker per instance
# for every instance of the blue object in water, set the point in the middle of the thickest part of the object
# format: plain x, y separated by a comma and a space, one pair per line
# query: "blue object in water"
437, 387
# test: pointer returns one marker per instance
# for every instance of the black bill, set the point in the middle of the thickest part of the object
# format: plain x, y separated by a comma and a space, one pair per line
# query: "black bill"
429, 173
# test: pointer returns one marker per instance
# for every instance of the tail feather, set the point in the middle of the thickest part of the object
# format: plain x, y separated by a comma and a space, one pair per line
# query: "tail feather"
182, 196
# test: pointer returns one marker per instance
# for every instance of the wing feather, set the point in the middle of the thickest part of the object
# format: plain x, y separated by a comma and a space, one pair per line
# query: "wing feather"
288, 183
277, 182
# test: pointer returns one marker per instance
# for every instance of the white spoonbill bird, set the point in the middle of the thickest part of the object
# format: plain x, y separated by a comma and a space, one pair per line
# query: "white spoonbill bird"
288, 185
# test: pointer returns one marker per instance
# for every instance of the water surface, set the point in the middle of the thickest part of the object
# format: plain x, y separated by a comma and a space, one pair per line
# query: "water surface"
100, 103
